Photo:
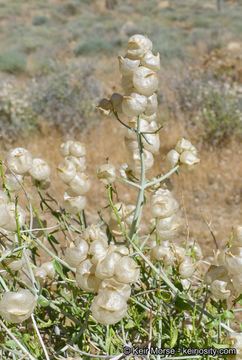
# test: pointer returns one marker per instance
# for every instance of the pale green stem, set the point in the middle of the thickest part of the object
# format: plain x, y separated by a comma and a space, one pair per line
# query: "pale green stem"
40, 338
140, 199
128, 182
161, 178
3, 284
16, 340
10, 253
53, 255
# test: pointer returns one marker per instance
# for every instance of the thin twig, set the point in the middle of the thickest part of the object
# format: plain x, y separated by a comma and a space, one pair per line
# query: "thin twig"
16, 340
40, 338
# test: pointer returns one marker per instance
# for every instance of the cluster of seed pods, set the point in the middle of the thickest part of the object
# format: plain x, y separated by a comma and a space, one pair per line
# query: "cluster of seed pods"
71, 172
164, 208
225, 279
104, 269
20, 164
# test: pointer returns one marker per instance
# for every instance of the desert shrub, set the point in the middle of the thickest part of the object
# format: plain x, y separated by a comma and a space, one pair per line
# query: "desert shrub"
66, 96
120, 283
16, 113
39, 20
12, 62
210, 104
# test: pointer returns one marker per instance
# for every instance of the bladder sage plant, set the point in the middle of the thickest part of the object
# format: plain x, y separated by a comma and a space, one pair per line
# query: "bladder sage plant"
71, 288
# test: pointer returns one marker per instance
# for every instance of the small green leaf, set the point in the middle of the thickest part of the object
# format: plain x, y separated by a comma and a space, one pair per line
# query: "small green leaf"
174, 338
58, 269
181, 304
227, 315
43, 302
130, 325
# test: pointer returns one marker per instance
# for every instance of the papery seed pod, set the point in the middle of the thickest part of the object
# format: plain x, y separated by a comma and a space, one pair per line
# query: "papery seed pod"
237, 236
233, 260
127, 66
220, 257
74, 204
44, 184
126, 270
149, 118
122, 249
185, 145
179, 253
75, 255
12, 225
129, 214
39, 170
16, 307
145, 81
13, 181
19, 160
94, 232
127, 84
112, 284
16, 265
172, 158
138, 46
131, 144
115, 228
4, 214
77, 149
187, 268
163, 204
65, 148
105, 107
79, 185
106, 174
220, 290
106, 267
48, 267
152, 105
152, 143
237, 283
66, 171
234, 340
134, 104
185, 284
188, 159
121, 209
85, 276
167, 228
98, 250
215, 273
79, 163
40, 275
108, 307
3, 197
135, 165
151, 61
124, 170
162, 253
143, 126
195, 249
116, 100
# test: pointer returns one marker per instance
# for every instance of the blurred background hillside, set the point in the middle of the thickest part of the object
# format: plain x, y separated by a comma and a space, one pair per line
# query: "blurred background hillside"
58, 58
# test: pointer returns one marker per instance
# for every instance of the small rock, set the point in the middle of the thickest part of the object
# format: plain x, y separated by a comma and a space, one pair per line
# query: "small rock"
163, 4
234, 46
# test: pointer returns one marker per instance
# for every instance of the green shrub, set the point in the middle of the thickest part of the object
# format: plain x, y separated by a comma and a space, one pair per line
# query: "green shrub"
94, 46
39, 20
12, 62
65, 96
